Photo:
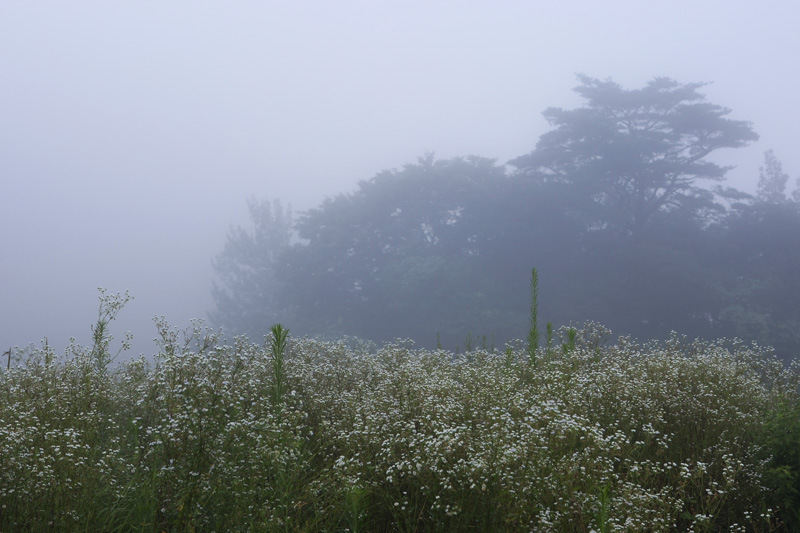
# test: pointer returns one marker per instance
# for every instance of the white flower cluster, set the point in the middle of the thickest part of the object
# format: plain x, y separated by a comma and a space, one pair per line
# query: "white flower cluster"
619, 438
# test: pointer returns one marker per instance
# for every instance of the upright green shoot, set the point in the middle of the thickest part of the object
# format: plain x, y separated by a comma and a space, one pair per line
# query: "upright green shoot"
533, 334
569, 346
602, 514
509, 362
486, 346
278, 347
110, 306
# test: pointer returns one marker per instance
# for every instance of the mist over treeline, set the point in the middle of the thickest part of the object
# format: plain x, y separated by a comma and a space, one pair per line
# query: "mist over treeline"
618, 206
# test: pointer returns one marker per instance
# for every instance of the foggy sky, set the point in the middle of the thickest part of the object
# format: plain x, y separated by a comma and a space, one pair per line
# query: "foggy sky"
132, 134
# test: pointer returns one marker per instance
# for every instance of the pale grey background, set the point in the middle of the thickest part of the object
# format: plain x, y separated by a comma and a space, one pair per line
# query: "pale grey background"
132, 133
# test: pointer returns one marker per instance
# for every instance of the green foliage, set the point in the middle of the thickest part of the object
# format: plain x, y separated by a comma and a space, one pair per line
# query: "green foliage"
533, 332
781, 440
603, 513
634, 153
278, 352
110, 306
617, 207
656, 437
759, 282
771, 180
570, 343
246, 289
400, 256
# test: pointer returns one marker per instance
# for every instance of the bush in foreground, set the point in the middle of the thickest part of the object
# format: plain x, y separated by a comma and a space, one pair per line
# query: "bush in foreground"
335, 436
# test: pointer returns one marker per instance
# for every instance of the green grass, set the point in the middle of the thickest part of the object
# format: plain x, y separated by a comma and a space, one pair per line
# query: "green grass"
304, 435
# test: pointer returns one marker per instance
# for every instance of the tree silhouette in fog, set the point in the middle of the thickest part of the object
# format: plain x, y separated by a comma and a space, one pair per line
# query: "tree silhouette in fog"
246, 290
636, 152
617, 207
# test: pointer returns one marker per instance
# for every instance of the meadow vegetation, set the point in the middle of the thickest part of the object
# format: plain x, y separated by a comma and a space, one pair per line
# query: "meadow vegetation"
305, 435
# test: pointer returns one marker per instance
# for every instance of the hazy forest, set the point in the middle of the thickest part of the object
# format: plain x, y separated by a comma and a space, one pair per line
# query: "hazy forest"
580, 339
622, 207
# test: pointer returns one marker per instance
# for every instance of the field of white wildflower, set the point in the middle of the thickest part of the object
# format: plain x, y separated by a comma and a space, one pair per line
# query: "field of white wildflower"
305, 435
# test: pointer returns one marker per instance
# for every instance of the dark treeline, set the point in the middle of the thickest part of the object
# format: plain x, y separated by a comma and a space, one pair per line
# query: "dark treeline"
617, 207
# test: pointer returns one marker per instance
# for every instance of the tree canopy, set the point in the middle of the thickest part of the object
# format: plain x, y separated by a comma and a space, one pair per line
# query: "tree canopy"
771, 180
636, 152
395, 257
247, 291
612, 207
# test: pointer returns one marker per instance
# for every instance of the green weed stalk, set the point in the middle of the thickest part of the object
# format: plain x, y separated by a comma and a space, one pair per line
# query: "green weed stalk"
278, 349
533, 333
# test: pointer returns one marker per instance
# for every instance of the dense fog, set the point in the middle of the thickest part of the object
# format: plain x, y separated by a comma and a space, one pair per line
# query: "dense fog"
132, 136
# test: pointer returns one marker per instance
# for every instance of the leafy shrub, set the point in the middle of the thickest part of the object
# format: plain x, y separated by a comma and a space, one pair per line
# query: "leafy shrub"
781, 441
